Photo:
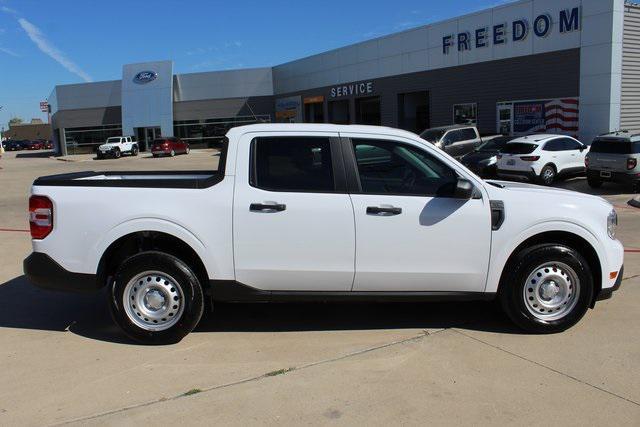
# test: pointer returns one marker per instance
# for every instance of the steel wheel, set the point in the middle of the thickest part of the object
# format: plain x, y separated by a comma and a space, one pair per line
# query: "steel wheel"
153, 301
551, 291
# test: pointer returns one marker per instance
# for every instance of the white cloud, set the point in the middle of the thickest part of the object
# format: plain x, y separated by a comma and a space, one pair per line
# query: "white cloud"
8, 51
49, 49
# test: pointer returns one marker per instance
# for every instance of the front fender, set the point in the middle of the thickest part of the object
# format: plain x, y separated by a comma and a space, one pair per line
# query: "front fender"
504, 245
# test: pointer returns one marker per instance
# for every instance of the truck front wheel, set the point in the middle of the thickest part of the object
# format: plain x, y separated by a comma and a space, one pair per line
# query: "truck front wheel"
156, 298
547, 288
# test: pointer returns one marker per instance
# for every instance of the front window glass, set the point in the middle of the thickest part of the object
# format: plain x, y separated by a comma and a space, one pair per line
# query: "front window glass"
388, 167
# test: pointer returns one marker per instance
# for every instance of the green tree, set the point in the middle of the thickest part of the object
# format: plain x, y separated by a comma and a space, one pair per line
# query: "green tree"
15, 121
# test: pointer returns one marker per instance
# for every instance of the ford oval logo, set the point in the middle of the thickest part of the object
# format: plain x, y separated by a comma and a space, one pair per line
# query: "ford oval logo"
145, 77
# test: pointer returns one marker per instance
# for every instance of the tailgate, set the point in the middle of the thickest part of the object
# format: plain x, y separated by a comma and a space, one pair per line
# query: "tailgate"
609, 162
513, 162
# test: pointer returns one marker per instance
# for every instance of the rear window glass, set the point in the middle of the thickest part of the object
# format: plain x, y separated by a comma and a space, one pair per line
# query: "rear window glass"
615, 147
519, 148
432, 135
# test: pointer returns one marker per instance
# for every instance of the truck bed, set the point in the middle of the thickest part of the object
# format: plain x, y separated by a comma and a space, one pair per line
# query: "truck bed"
144, 179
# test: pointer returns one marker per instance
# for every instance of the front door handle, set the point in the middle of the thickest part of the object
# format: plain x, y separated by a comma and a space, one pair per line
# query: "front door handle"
267, 207
383, 211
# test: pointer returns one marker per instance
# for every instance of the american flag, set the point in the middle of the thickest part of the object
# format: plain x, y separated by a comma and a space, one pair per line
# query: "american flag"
561, 116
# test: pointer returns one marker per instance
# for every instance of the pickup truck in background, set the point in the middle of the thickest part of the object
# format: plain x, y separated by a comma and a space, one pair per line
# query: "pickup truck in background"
116, 146
308, 212
455, 140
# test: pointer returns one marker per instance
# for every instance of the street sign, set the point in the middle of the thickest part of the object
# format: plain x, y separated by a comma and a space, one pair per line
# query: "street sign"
44, 106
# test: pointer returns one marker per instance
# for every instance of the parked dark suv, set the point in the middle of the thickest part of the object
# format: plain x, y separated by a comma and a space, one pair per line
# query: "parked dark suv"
614, 157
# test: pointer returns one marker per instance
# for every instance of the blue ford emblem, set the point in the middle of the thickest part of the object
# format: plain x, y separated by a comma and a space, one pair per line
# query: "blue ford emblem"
145, 77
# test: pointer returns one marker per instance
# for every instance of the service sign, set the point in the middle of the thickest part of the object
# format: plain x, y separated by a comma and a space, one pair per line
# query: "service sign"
352, 89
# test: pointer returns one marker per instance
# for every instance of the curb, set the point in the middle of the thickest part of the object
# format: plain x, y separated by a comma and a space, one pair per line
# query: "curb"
635, 202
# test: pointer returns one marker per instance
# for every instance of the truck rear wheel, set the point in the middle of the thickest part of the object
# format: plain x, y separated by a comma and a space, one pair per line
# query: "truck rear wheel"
156, 298
548, 288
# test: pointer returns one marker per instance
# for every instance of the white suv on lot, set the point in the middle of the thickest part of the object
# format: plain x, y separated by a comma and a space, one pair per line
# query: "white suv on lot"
116, 146
542, 157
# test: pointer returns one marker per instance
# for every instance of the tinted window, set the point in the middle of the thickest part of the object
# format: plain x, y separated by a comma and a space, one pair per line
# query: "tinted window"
293, 164
572, 144
615, 147
453, 137
554, 145
495, 143
468, 134
519, 148
387, 167
432, 135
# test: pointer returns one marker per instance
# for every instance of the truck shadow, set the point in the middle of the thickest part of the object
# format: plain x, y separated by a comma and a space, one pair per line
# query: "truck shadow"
23, 306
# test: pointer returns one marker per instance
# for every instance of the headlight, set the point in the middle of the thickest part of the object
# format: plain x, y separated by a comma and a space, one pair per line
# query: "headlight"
612, 223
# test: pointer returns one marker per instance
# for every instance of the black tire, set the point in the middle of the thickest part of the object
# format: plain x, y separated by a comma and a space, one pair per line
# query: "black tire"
594, 182
514, 285
187, 150
99, 156
117, 153
134, 150
547, 175
191, 289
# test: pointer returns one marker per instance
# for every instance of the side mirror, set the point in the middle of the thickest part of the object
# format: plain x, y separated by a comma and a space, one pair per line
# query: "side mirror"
582, 148
465, 190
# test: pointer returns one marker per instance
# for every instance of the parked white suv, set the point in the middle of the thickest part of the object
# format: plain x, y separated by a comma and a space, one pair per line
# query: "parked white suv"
116, 146
320, 212
542, 158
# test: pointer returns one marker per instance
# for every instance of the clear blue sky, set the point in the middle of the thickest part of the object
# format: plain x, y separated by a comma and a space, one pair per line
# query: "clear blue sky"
45, 43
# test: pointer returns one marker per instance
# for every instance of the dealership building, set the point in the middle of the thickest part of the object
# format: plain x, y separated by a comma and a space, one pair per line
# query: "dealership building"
561, 66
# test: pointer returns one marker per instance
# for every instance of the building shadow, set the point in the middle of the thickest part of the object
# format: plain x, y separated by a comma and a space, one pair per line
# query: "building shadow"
607, 188
24, 306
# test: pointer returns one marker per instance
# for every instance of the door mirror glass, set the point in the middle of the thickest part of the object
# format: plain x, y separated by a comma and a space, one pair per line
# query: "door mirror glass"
464, 189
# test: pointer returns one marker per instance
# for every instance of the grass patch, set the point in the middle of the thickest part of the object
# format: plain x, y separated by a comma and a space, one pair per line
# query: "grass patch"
192, 392
278, 372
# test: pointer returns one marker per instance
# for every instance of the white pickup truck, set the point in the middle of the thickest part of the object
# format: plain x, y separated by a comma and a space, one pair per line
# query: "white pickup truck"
298, 212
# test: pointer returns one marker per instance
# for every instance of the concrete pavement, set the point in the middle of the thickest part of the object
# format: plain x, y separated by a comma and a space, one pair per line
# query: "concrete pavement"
63, 360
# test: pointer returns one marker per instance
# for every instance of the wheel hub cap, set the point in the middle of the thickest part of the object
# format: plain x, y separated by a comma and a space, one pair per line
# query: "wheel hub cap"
551, 291
153, 301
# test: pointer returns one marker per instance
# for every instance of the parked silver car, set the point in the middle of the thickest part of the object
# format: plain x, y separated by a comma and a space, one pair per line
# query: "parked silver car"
614, 157
455, 140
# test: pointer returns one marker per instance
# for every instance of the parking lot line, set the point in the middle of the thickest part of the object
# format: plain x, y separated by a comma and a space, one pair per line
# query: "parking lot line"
14, 230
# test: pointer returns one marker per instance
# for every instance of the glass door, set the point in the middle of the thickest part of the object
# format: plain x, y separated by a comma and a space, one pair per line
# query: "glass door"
505, 119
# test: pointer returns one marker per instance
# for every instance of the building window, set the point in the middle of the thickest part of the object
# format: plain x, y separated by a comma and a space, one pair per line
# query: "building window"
368, 111
413, 111
87, 139
208, 133
465, 114
314, 109
339, 112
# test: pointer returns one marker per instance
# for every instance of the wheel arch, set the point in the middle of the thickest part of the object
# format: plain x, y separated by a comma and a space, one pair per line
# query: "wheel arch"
142, 241
566, 238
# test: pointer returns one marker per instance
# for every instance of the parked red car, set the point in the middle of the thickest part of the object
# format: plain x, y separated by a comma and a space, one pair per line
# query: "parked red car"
33, 145
169, 147
46, 145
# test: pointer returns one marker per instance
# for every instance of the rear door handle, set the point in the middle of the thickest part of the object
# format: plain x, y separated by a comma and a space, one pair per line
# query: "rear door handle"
267, 207
383, 211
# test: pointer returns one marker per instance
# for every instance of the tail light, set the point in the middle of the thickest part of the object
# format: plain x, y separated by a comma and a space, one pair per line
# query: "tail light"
165, 144
586, 162
530, 158
631, 163
40, 216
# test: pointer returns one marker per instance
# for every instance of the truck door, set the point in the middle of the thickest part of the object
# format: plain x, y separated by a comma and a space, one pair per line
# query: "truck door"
411, 235
292, 217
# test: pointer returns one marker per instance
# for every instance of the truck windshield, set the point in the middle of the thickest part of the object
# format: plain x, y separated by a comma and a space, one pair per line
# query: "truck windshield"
615, 147
432, 135
519, 148
113, 140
